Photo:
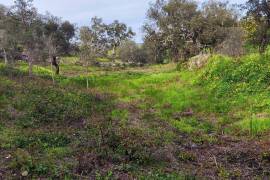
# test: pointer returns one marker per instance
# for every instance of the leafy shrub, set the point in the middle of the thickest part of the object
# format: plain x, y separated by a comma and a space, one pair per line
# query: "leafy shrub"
129, 51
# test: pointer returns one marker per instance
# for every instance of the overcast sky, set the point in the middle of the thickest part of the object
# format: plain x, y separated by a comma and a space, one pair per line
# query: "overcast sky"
80, 12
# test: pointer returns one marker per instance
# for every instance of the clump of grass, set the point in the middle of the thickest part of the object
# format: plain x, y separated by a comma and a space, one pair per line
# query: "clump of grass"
186, 156
254, 126
159, 175
43, 141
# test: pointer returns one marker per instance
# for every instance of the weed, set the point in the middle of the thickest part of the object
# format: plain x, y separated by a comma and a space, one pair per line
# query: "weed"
266, 156
186, 156
22, 161
43, 141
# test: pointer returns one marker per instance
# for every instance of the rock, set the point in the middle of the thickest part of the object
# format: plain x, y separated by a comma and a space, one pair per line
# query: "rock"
25, 173
198, 61
8, 156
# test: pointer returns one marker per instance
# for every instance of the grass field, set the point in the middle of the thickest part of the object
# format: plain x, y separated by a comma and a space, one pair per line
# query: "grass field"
154, 122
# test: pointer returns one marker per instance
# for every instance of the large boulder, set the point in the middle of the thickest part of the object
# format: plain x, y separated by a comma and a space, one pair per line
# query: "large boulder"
198, 61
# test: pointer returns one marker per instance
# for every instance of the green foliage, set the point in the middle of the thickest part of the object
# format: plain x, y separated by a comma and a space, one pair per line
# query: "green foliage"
56, 124
59, 152
166, 176
6, 137
253, 125
246, 81
47, 105
223, 173
122, 143
120, 115
10, 71
186, 156
249, 74
266, 156
43, 141
29, 165
22, 160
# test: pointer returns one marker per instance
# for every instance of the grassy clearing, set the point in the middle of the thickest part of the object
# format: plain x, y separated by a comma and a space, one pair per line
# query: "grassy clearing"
169, 91
43, 125
127, 116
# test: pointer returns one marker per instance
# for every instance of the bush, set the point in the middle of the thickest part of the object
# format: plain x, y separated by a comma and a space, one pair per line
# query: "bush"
130, 52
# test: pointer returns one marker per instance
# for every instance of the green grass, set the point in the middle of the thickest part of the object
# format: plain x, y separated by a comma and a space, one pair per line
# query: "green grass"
253, 125
204, 91
241, 85
45, 124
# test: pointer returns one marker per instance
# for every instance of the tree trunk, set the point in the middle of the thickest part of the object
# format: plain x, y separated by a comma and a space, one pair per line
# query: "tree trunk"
30, 62
30, 66
87, 78
5, 57
263, 44
113, 53
52, 69
87, 82
113, 50
56, 65
176, 55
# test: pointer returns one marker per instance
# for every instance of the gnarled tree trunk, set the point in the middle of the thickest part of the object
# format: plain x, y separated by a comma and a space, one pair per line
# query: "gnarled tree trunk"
56, 65
5, 56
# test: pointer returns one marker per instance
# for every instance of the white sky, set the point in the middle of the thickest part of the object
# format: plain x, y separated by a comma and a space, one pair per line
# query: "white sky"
80, 12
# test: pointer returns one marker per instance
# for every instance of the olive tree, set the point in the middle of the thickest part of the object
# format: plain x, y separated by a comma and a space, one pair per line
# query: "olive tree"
173, 19
9, 35
154, 44
118, 32
31, 28
131, 52
257, 22
218, 21
93, 43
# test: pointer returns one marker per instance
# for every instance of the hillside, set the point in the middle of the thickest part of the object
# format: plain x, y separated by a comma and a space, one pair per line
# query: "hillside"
153, 122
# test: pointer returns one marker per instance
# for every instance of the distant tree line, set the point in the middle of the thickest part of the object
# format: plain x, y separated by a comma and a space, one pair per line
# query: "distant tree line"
179, 29
26, 33
175, 30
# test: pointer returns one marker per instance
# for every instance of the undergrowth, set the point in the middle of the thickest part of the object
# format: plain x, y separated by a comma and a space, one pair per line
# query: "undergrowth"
44, 125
